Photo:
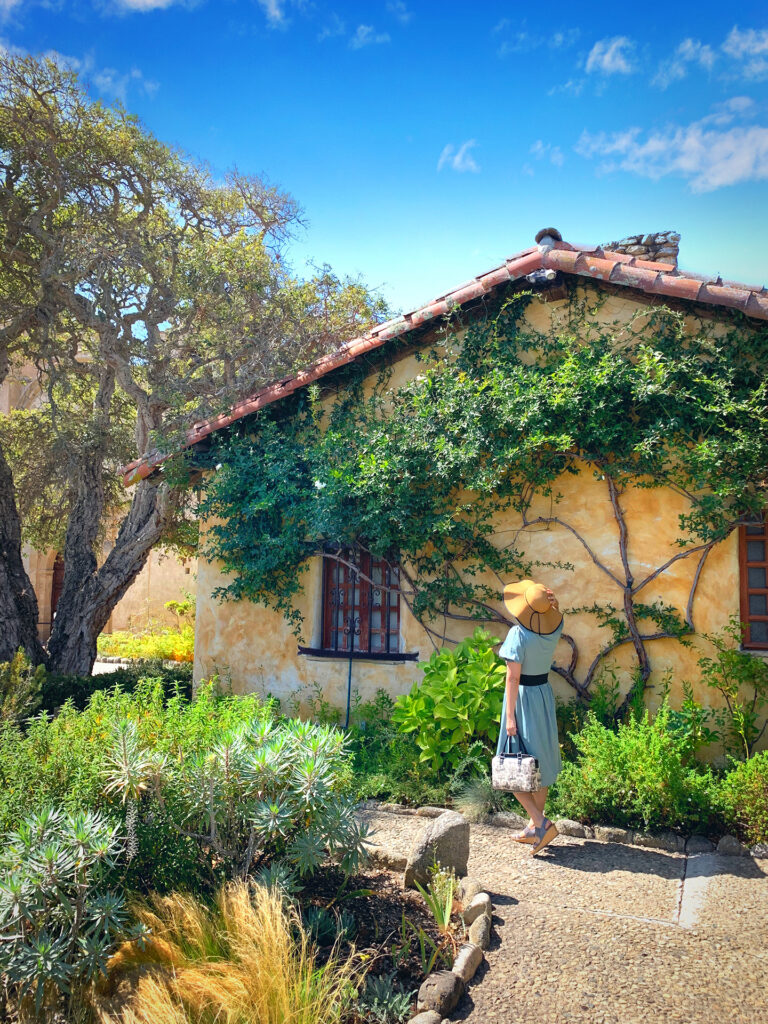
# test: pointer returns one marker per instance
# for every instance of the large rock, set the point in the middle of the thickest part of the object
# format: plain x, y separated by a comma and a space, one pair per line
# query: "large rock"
480, 932
731, 847
468, 959
467, 889
445, 840
568, 827
441, 992
610, 834
671, 842
428, 1017
699, 844
481, 904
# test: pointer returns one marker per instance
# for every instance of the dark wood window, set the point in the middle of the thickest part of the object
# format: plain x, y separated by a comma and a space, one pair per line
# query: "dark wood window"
361, 604
753, 565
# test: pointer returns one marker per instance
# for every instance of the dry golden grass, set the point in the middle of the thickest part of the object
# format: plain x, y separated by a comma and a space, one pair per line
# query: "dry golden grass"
244, 961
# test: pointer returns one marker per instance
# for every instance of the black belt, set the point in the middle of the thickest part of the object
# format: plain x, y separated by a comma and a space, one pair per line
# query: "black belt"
538, 680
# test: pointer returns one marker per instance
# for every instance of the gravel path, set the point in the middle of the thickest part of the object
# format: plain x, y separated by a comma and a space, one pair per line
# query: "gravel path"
600, 933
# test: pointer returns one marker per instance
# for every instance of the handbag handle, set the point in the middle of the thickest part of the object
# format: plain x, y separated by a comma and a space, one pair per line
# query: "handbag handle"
509, 753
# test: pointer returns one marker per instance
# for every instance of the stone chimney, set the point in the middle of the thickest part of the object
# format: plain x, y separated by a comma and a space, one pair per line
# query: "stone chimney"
660, 247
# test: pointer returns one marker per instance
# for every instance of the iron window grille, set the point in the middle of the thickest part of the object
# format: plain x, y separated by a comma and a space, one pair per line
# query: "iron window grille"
753, 574
361, 604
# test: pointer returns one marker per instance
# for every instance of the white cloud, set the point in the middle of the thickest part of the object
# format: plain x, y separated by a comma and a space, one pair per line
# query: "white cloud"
611, 56
750, 48
546, 151
144, 5
6, 7
706, 152
523, 41
689, 52
460, 159
366, 35
400, 11
574, 87
332, 28
274, 11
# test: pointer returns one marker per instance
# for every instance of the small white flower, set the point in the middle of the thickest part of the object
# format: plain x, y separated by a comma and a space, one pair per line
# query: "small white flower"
218, 465
319, 485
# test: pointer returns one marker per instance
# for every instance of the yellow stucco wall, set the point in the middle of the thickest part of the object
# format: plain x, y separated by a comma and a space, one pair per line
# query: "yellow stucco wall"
255, 648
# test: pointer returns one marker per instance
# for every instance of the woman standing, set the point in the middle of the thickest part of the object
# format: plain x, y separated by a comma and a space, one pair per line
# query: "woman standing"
528, 711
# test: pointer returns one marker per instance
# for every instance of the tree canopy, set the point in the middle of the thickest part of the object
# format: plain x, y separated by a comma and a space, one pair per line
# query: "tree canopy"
140, 293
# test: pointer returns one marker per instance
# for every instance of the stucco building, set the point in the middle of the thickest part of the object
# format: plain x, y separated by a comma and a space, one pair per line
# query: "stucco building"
357, 626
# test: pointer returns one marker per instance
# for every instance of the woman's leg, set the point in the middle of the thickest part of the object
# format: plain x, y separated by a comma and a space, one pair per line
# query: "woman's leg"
530, 805
540, 798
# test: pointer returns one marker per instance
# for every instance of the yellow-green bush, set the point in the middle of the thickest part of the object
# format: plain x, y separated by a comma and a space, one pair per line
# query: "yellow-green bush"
168, 644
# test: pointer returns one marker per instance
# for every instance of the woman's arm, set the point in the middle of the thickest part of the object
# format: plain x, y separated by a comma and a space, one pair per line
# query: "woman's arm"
513, 682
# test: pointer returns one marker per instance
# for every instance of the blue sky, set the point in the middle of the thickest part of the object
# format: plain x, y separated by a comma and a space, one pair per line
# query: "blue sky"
427, 141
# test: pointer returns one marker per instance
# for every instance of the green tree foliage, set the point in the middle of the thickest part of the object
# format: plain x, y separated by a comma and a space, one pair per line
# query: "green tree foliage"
139, 294
423, 472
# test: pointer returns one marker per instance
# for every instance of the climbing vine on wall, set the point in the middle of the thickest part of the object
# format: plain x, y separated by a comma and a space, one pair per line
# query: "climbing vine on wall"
425, 472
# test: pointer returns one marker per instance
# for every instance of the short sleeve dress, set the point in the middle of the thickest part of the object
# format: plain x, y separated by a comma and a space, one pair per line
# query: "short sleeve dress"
535, 708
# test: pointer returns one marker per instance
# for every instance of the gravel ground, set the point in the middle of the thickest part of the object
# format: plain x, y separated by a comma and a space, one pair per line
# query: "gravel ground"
587, 933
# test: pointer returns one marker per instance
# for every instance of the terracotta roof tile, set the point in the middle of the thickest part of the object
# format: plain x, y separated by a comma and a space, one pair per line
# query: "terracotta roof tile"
585, 261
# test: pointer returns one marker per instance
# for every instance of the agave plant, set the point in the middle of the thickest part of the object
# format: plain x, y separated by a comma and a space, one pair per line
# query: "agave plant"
58, 924
262, 792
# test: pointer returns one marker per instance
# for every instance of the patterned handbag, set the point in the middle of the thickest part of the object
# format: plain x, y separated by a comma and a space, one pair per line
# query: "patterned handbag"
515, 772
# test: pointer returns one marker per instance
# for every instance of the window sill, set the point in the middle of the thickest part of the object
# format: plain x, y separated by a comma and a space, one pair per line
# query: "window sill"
391, 658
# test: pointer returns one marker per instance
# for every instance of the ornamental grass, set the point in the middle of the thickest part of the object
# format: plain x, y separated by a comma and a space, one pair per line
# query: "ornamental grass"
244, 960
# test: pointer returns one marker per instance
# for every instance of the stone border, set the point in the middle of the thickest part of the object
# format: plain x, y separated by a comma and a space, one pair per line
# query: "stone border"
441, 991
667, 841
113, 659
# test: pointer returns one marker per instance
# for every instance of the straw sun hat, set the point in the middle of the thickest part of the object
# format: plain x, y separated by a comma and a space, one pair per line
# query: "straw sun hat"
528, 602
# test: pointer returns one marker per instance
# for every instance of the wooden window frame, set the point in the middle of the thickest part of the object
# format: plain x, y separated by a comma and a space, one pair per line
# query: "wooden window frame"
757, 533
350, 600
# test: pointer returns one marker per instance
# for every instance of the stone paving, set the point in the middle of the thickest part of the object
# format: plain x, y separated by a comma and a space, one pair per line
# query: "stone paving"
611, 934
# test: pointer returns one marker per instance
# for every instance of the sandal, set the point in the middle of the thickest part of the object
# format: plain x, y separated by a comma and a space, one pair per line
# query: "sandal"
528, 835
545, 833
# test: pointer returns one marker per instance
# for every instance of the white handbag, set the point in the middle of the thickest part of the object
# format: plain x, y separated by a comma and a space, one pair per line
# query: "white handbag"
517, 773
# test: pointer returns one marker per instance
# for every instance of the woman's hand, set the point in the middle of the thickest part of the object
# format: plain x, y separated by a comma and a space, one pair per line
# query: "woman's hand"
553, 600
511, 726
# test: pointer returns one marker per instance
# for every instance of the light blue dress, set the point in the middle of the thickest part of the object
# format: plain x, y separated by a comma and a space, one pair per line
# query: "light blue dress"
535, 708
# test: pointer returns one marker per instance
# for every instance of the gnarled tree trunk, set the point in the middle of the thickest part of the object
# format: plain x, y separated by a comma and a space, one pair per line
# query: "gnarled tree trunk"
89, 593
18, 602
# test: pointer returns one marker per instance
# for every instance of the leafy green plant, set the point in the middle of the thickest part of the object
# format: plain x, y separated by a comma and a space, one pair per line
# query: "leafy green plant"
439, 896
58, 923
742, 681
20, 687
743, 797
637, 776
692, 722
320, 925
458, 700
56, 690
384, 1001
258, 792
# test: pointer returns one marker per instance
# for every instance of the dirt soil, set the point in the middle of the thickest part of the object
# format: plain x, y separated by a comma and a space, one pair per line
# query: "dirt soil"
379, 919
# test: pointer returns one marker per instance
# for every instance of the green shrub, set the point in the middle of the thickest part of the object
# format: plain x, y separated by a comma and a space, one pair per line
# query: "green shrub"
458, 701
636, 777
20, 686
164, 642
742, 681
56, 690
743, 795
58, 921
256, 792
62, 761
